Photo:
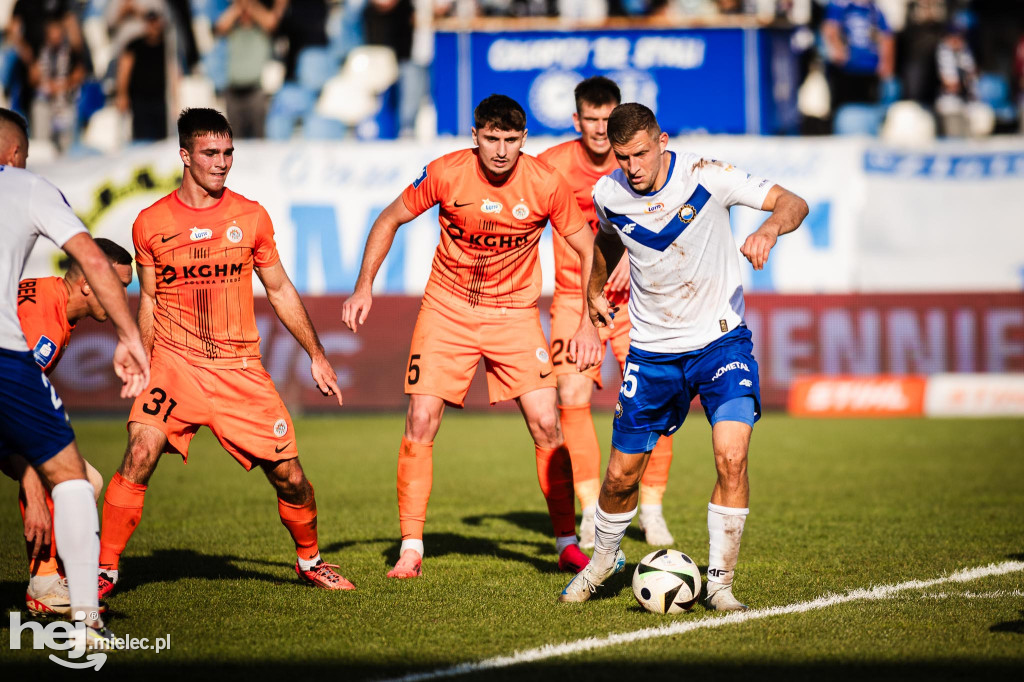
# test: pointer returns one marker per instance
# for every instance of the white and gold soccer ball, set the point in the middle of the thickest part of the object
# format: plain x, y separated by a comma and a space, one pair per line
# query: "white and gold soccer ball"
666, 581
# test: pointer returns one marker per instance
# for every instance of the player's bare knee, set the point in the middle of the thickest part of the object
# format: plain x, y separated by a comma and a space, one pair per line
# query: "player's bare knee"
95, 478
546, 430
421, 423
731, 466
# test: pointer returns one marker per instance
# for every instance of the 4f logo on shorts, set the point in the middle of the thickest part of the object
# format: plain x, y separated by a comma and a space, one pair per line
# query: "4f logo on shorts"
747, 382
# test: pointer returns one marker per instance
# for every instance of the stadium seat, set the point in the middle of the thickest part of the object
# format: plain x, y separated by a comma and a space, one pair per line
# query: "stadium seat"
858, 119
272, 76
107, 130
291, 104
90, 100
315, 65
197, 91
994, 90
94, 30
316, 127
373, 66
346, 100
215, 65
908, 123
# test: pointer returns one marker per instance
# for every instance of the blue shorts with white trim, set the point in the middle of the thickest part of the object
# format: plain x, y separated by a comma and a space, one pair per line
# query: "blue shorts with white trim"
657, 389
33, 423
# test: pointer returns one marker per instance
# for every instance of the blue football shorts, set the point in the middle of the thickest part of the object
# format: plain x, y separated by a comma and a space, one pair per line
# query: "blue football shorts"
657, 389
33, 422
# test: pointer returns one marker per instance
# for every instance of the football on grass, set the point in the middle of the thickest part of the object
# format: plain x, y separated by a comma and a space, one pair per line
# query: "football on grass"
666, 581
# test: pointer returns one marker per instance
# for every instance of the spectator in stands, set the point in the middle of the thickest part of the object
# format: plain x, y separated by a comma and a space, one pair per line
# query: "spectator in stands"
247, 27
304, 23
859, 50
56, 77
958, 78
126, 22
26, 34
390, 23
926, 24
142, 79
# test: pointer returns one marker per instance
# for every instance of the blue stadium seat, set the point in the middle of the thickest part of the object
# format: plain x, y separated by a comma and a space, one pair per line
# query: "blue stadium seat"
858, 119
316, 127
315, 65
90, 100
291, 104
215, 65
994, 90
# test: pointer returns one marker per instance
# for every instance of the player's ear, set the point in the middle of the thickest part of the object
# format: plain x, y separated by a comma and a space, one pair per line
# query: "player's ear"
576, 122
186, 158
663, 140
524, 138
473, 131
85, 288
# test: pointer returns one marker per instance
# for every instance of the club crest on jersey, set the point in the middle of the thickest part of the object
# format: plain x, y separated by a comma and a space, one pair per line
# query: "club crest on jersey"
687, 213
280, 428
618, 409
198, 235
488, 206
542, 354
520, 211
234, 234
654, 208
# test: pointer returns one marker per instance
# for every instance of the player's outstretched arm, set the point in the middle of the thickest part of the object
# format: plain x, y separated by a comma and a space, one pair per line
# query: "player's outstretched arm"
131, 362
608, 252
355, 309
788, 211
293, 314
33, 496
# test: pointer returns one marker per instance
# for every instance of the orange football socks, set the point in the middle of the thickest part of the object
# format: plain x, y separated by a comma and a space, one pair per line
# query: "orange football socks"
581, 439
300, 520
122, 511
415, 478
655, 479
46, 562
554, 471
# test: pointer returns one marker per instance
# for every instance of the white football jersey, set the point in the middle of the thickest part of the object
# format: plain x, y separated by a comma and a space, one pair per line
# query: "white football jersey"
31, 207
684, 269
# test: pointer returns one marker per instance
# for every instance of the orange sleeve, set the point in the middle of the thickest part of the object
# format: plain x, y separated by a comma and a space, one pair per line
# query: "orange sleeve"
563, 210
426, 190
39, 318
265, 248
140, 237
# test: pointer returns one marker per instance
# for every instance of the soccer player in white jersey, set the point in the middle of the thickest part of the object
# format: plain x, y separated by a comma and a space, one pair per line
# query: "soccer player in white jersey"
670, 212
32, 419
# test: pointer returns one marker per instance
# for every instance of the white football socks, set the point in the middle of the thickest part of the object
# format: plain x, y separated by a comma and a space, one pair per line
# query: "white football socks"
416, 545
563, 542
725, 528
76, 529
609, 529
306, 564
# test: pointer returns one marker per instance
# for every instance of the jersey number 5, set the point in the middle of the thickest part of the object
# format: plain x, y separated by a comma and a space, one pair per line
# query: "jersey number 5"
159, 398
629, 379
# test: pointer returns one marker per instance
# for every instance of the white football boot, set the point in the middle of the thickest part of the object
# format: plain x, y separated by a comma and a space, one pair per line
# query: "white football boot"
586, 582
655, 529
719, 597
587, 530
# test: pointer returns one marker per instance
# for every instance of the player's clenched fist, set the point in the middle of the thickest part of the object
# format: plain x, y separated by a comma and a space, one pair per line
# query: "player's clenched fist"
757, 247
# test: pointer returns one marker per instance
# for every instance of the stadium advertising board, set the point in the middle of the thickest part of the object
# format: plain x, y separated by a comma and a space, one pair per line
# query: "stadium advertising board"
719, 80
794, 337
960, 232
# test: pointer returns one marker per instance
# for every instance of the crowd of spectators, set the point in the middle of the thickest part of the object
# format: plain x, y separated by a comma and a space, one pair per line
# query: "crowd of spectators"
268, 61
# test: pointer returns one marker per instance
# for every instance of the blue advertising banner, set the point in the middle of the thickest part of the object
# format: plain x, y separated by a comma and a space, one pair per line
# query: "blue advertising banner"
716, 80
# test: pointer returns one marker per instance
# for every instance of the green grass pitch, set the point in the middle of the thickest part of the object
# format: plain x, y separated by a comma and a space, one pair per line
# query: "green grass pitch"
836, 505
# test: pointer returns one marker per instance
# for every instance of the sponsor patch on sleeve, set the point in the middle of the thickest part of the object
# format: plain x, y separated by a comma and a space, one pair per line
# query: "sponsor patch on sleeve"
44, 351
421, 178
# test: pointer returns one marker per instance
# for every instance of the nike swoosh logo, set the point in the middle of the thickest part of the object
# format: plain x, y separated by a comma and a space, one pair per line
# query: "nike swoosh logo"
279, 449
545, 376
164, 240
458, 205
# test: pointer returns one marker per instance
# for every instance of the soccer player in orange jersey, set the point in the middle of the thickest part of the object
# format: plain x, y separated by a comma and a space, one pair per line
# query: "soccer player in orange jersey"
481, 302
48, 310
197, 249
582, 162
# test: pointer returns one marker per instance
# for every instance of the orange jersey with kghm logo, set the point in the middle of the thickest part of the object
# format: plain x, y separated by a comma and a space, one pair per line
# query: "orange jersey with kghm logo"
487, 255
43, 313
571, 161
203, 259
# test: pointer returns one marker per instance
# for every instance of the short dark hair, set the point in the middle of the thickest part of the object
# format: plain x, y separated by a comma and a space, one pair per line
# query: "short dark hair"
629, 119
115, 253
16, 119
199, 121
499, 111
597, 91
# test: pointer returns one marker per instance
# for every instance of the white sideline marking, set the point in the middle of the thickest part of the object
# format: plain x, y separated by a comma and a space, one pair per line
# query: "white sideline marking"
678, 628
998, 594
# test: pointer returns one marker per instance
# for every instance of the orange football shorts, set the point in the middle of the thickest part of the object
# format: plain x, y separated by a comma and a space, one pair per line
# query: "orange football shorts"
565, 319
448, 343
241, 406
